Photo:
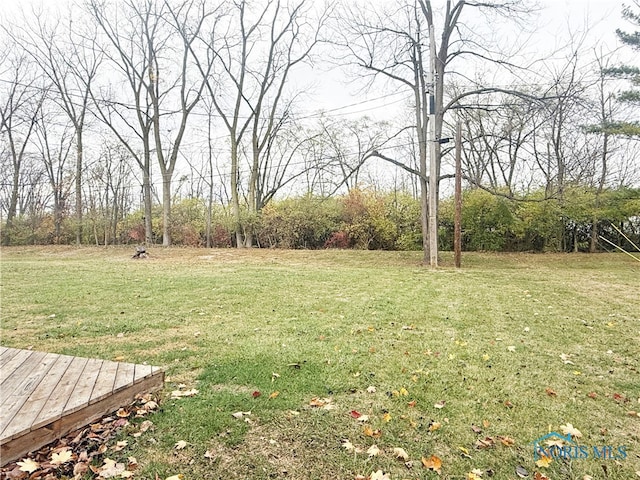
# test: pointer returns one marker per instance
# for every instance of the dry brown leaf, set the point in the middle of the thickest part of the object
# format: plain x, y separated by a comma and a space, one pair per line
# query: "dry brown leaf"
435, 426
184, 393
433, 463
369, 432
506, 441
486, 442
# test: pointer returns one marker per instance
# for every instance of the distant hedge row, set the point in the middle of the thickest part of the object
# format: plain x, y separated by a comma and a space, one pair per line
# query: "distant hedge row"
366, 219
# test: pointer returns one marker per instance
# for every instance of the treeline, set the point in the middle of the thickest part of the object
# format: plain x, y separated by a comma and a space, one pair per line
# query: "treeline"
367, 219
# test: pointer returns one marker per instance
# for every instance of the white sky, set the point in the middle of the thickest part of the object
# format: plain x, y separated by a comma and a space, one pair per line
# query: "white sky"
553, 24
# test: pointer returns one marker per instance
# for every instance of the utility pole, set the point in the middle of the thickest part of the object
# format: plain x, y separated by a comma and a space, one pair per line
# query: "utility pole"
457, 223
433, 170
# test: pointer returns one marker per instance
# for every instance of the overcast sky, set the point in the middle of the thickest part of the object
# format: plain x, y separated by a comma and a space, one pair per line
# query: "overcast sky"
551, 29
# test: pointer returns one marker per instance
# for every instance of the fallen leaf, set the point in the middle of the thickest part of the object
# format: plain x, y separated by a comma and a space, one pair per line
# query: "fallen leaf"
403, 392
369, 432
435, 426
180, 445
61, 457
176, 477
433, 463
542, 476
506, 441
473, 476
320, 402
111, 469
569, 429
465, 452
120, 446
79, 469
411, 404
476, 429
401, 454
363, 418
633, 413
274, 395
386, 417
240, 414
592, 395
485, 423
123, 413
379, 475
550, 392
184, 393
511, 348
544, 461
371, 389
144, 426
256, 394
28, 465
440, 404
355, 414
486, 442
348, 446
373, 451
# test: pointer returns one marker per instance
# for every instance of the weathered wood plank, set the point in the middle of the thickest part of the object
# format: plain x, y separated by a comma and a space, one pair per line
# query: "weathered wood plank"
35, 439
11, 365
20, 379
81, 394
16, 398
23, 419
54, 407
125, 376
105, 381
142, 372
6, 354
62, 393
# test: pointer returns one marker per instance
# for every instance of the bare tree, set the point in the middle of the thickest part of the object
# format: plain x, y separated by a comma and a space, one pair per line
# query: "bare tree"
21, 99
414, 59
67, 57
255, 51
151, 49
54, 143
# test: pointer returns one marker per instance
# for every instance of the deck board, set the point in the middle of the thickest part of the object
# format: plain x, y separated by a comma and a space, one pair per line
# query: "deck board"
44, 396
22, 391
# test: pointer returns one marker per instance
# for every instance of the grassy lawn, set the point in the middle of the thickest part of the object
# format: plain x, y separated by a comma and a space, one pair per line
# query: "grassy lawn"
468, 366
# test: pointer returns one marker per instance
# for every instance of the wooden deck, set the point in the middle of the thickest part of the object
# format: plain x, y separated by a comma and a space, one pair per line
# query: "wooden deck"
44, 396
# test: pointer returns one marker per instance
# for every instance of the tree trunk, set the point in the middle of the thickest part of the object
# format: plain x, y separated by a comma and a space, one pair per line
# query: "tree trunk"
13, 205
166, 209
79, 160
146, 193
235, 196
